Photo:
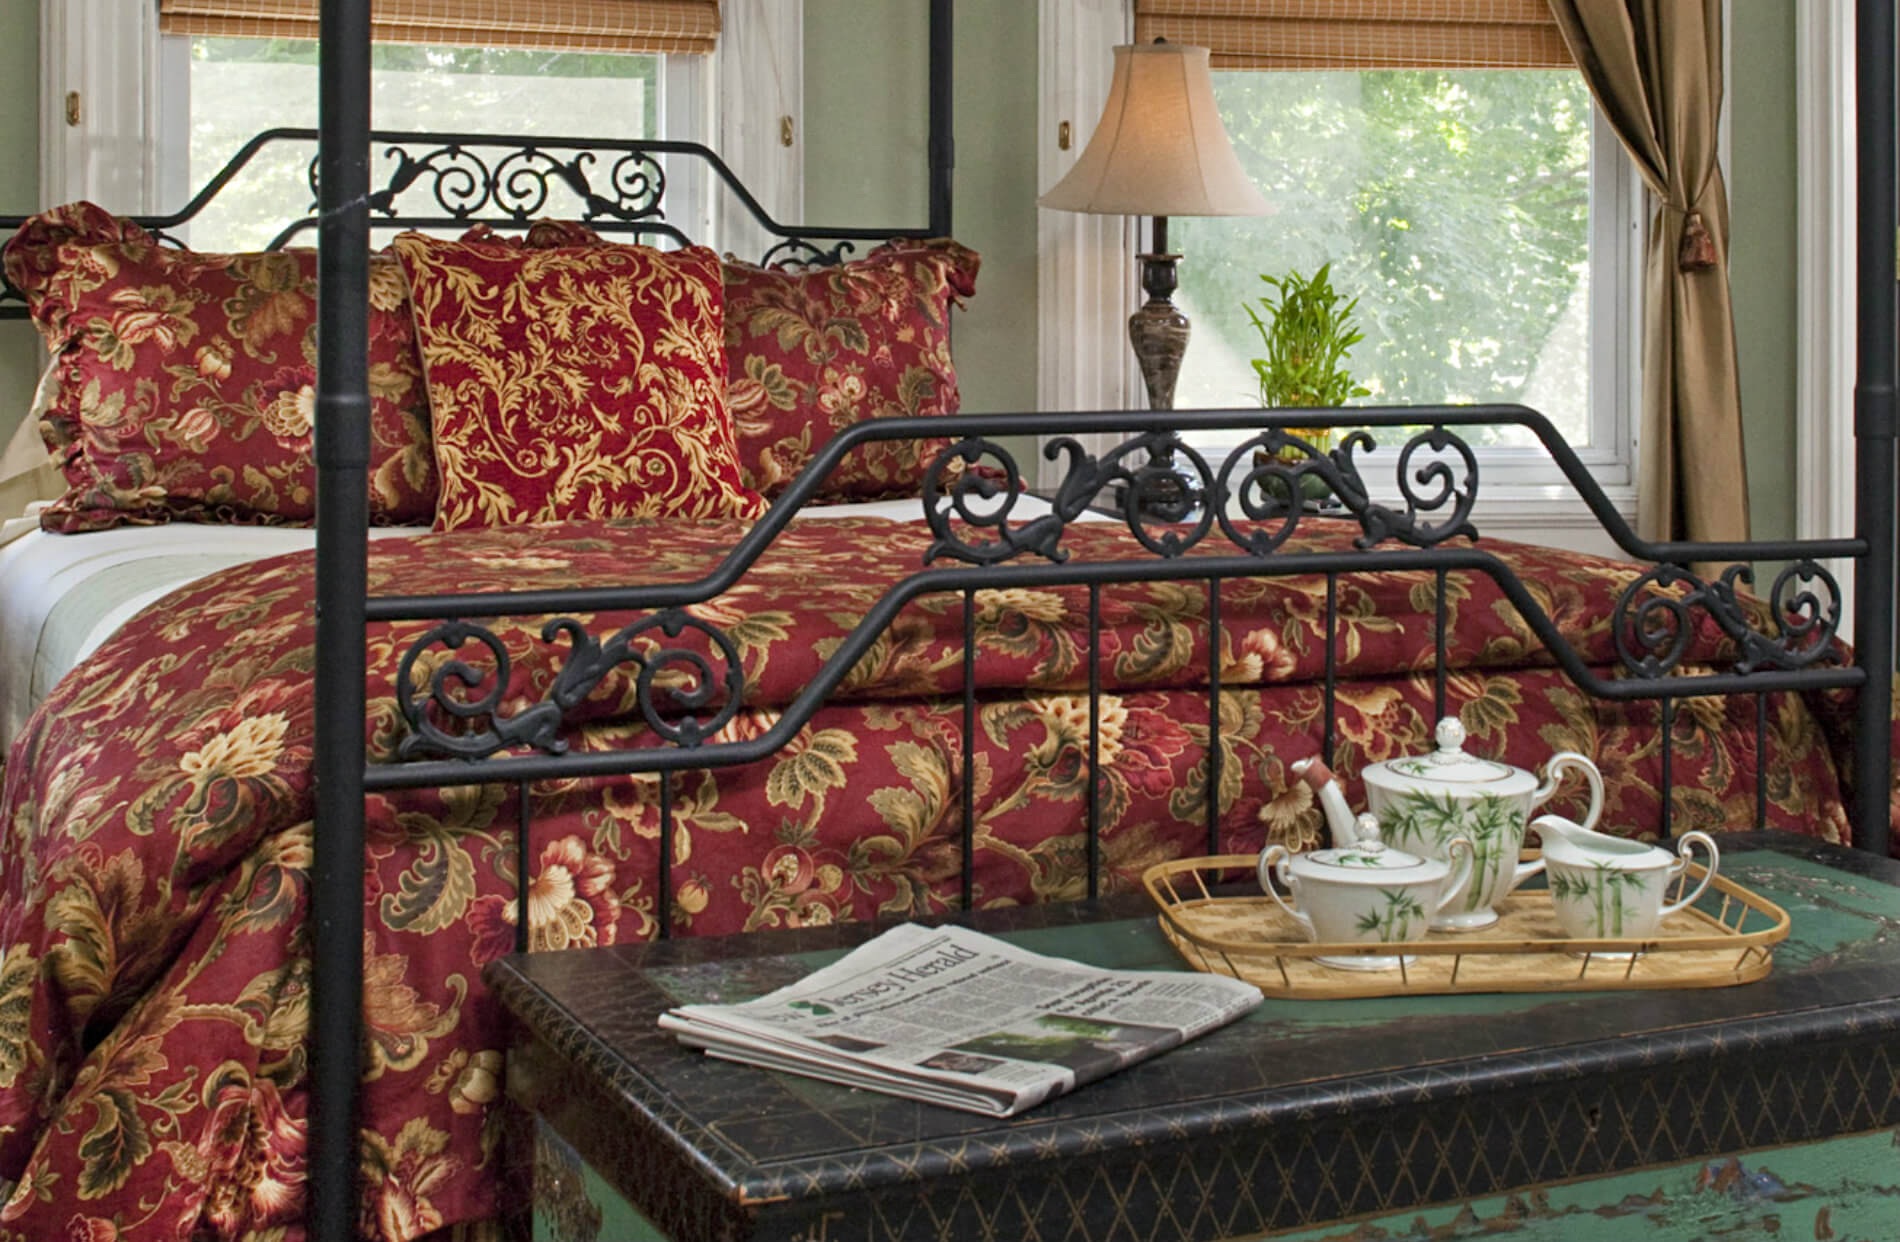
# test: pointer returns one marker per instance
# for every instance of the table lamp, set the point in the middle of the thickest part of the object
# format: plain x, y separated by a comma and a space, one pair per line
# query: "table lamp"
1159, 150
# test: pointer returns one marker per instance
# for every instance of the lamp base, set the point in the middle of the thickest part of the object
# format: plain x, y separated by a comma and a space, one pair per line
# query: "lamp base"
1159, 331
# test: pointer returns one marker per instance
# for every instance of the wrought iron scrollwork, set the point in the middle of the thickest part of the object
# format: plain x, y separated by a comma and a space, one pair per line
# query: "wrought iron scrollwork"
803, 252
1274, 468
1805, 622
1157, 490
976, 499
1455, 486
1653, 629
465, 182
1160, 489
588, 663
1171, 498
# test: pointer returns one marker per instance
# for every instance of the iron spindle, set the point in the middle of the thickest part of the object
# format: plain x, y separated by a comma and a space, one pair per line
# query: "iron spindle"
1330, 734
1668, 742
1213, 716
969, 750
522, 819
663, 911
1440, 645
1761, 761
1095, 744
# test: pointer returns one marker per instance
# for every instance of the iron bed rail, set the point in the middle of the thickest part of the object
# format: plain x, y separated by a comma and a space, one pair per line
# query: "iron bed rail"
1067, 425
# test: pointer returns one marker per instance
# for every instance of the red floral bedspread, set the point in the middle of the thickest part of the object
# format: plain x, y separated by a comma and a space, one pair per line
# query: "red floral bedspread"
157, 811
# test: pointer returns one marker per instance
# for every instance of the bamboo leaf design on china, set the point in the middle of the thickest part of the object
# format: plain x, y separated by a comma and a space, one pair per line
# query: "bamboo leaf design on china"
1603, 889
1393, 920
1426, 822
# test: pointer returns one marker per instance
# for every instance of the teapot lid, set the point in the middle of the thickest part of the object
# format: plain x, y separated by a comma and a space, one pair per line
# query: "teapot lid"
1450, 764
1372, 857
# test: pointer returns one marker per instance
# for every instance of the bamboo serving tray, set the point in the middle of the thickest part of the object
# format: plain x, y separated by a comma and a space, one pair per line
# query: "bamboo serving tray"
1727, 938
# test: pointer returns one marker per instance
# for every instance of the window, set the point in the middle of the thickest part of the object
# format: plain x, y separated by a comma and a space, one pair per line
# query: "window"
1483, 220
1363, 168
219, 92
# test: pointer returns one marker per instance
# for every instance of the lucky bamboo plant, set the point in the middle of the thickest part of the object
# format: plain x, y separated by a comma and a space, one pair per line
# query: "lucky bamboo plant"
1308, 334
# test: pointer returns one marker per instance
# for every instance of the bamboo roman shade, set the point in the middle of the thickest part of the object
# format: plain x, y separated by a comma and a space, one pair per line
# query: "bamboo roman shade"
560, 25
1361, 34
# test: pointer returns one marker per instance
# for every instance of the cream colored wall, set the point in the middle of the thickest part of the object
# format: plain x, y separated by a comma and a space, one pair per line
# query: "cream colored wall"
19, 188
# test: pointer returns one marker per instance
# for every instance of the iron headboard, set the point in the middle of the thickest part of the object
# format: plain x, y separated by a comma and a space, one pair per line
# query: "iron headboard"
450, 180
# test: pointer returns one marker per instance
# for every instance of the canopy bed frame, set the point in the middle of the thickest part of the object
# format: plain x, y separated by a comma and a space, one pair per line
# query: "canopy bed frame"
1772, 661
458, 733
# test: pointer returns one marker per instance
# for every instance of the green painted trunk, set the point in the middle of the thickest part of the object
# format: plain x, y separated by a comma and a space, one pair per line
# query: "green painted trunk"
1838, 1190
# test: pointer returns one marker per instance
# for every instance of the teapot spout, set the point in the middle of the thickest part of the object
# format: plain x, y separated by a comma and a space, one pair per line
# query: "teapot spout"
1332, 799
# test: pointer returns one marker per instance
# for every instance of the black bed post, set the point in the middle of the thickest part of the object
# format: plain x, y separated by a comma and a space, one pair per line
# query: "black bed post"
1874, 421
342, 433
943, 157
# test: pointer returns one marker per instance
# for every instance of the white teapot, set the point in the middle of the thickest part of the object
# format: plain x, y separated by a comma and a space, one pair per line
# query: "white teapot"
1365, 893
1425, 802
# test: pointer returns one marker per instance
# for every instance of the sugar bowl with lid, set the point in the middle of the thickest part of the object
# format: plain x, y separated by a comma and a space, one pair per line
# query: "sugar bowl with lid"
1365, 893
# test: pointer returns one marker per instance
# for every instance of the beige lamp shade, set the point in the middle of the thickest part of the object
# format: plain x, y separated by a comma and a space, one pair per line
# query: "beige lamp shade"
1160, 148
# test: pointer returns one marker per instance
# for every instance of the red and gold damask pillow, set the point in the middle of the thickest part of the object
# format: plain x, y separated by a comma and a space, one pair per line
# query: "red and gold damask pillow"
809, 353
574, 382
188, 381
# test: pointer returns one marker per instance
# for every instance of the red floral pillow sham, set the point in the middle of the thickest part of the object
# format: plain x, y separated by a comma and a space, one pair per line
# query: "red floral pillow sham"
188, 380
570, 382
809, 353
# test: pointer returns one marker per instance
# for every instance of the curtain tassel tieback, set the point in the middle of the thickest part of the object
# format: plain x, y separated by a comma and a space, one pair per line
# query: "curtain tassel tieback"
1696, 253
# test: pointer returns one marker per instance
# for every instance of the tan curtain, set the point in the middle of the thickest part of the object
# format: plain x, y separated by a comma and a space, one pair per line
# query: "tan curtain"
1655, 67
1360, 34
562, 25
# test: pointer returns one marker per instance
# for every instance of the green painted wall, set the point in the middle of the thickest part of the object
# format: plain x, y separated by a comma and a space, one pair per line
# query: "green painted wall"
866, 117
867, 125
19, 187
1761, 184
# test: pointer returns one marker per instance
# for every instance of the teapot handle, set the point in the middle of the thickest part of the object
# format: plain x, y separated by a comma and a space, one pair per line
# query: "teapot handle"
1456, 892
1273, 863
1682, 850
1554, 774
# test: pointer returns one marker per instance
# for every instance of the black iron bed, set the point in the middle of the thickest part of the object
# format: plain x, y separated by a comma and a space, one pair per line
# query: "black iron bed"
978, 543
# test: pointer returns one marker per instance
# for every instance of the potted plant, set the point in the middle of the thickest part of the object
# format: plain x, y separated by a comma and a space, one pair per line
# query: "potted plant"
1308, 334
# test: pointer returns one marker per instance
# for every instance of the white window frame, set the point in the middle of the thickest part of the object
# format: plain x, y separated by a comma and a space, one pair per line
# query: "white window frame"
103, 55
1826, 361
134, 96
1087, 290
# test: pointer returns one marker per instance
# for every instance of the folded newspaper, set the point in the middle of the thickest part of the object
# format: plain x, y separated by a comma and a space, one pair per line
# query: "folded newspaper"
954, 1017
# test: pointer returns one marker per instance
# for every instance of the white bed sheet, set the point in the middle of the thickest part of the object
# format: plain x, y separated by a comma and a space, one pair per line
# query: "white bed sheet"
61, 596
